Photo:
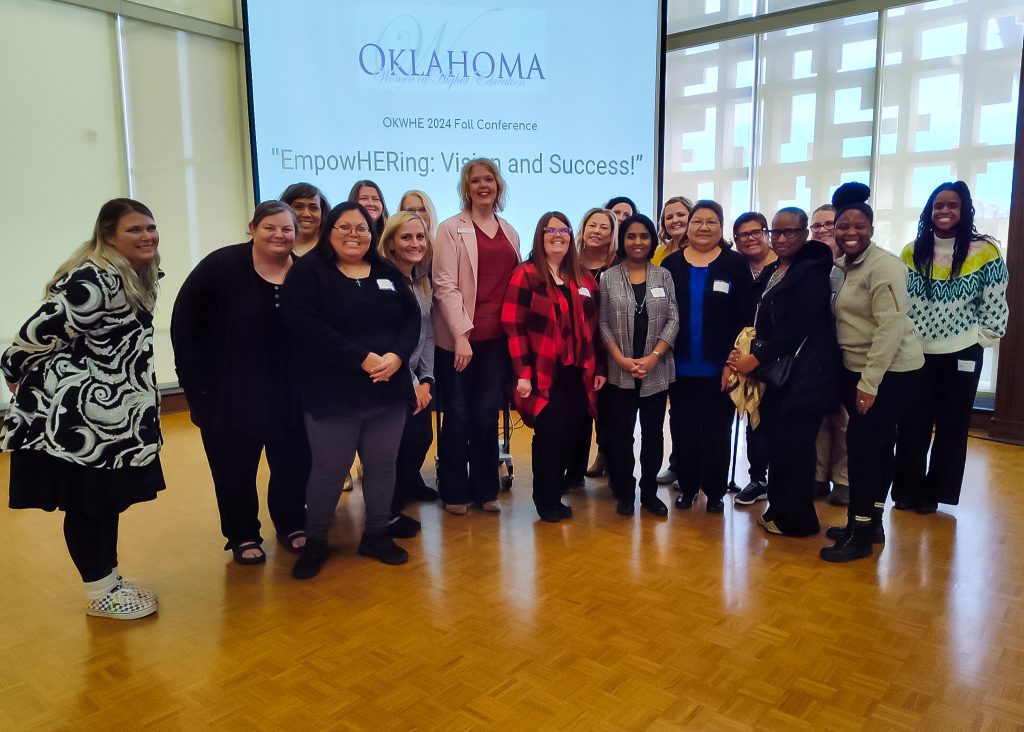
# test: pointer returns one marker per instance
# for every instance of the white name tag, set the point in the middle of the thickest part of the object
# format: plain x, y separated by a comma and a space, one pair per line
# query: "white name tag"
585, 291
657, 292
721, 286
962, 365
385, 284
465, 230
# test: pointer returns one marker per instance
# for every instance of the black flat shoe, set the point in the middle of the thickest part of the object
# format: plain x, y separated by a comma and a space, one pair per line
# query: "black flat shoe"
565, 510
926, 507
404, 527
905, 505
685, 501
553, 516
655, 506
624, 508
715, 505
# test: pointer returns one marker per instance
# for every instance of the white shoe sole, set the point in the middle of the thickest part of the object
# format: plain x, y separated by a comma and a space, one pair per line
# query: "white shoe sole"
122, 616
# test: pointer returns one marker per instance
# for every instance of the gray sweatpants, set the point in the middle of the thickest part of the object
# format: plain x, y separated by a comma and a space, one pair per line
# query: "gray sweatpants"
375, 434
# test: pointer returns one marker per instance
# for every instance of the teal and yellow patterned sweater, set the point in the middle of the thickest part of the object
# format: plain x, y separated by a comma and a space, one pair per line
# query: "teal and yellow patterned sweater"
957, 313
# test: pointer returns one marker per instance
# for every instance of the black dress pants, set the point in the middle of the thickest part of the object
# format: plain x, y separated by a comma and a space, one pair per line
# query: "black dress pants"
948, 385
556, 433
701, 425
871, 437
792, 458
416, 438
757, 454
621, 409
92, 544
234, 458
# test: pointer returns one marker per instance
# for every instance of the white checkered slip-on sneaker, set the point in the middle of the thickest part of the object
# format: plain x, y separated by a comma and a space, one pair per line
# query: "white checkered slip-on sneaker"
131, 584
123, 603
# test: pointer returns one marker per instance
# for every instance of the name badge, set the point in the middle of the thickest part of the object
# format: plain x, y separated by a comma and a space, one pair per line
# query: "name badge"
384, 284
721, 286
962, 365
465, 230
657, 292
585, 291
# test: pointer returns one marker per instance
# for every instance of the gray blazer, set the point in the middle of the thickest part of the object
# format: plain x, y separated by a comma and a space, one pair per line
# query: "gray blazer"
618, 308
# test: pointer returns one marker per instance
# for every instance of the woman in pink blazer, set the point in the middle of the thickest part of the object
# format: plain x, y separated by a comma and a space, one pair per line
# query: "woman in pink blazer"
474, 254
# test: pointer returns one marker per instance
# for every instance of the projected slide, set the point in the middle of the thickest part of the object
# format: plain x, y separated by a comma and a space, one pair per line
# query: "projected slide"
563, 95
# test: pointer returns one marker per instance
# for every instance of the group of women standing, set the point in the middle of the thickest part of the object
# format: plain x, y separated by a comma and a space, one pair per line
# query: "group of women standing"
321, 338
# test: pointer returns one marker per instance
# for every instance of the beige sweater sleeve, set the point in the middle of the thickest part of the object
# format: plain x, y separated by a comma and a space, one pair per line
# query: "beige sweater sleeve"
887, 286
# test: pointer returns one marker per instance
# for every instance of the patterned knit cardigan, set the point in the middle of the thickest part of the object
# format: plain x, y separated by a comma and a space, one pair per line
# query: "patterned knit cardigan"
536, 334
952, 314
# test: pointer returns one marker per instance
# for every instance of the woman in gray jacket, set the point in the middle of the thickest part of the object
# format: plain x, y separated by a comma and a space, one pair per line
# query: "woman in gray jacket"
638, 322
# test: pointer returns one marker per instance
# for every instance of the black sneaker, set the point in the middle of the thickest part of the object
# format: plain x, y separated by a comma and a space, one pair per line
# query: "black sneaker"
313, 556
404, 527
755, 491
382, 548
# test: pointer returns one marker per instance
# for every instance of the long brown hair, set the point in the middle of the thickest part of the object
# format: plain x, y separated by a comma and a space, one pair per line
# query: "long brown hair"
570, 268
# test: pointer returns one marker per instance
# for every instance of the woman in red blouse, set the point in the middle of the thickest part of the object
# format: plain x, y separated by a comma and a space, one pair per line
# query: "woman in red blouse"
550, 315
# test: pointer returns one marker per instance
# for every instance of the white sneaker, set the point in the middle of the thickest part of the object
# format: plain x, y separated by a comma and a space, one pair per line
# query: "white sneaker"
133, 585
123, 602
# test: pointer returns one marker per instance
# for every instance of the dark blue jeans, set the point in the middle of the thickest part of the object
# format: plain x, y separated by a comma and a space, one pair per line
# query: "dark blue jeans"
470, 400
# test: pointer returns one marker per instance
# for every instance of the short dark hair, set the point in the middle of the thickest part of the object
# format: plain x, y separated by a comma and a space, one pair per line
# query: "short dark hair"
746, 218
620, 199
716, 208
323, 248
636, 218
305, 190
796, 211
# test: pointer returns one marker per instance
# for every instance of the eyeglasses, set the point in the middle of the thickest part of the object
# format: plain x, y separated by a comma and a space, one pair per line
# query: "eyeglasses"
360, 229
823, 226
788, 233
751, 235
552, 230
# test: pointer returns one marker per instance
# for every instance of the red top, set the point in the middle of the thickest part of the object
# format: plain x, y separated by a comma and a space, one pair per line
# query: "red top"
497, 259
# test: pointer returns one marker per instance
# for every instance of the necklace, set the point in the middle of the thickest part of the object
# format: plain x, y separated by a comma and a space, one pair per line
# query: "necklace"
355, 278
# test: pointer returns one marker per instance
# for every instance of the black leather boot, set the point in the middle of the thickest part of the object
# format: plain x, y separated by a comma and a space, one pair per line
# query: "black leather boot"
852, 545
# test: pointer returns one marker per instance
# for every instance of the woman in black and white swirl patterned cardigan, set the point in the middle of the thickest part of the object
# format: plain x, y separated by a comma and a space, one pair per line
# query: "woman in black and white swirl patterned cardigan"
83, 426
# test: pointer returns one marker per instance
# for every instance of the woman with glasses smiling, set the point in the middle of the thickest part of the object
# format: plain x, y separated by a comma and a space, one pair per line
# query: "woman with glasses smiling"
793, 322
550, 315
712, 288
354, 323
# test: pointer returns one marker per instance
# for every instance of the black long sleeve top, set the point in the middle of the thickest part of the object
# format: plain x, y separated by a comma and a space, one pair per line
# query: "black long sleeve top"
335, 322
726, 303
796, 315
230, 349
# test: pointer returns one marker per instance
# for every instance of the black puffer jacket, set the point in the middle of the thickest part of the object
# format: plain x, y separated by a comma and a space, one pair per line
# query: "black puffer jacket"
799, 308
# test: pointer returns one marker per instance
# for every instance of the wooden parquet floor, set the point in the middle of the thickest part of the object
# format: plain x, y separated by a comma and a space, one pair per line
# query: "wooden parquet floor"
501, 622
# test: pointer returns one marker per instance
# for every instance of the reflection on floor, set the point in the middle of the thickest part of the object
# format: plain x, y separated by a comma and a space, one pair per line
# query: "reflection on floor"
694, 621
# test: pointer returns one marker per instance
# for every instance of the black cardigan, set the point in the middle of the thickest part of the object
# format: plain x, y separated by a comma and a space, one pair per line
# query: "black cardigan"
725, 313
799, 308
223, 348
335, 324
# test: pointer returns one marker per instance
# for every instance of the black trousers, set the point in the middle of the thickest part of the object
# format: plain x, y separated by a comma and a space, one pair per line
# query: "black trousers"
471, 400
92, 544
556, 437
701, 425
948, 385
757, 454
416, 439
871, 437
234, 458
792, 458
622, 407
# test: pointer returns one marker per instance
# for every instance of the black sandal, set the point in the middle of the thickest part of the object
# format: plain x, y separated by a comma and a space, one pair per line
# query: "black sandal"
238, 552
288, 541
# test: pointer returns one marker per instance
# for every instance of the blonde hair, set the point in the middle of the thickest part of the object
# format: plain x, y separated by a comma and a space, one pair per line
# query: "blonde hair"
140, 288
420, 280
499, 182
612, 245
687, 204
427, 204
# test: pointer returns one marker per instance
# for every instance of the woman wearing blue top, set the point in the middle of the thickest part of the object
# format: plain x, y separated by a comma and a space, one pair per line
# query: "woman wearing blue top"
712, 285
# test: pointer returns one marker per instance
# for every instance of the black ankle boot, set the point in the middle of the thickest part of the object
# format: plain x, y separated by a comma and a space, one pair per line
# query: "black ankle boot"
835, 533
852, 545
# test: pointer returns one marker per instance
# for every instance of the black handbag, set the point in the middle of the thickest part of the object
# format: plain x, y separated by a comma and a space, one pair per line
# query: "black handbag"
774, 375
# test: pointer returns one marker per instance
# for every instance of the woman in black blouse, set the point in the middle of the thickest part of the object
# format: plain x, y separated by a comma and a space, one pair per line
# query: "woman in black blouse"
354, 323
231, 356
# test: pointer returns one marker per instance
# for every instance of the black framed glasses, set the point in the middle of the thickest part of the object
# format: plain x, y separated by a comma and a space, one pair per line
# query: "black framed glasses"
788, 233
823, 226
751, 235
